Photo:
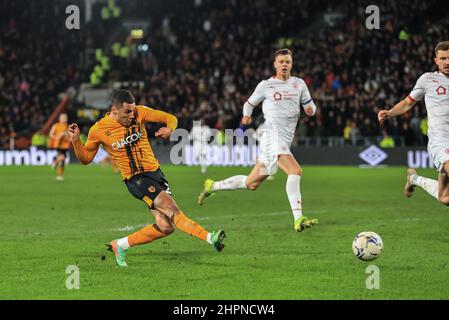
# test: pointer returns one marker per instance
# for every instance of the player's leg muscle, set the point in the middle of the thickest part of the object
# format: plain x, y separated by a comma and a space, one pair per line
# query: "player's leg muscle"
289, 165
163, 223
256, 177
443, 181
165, 204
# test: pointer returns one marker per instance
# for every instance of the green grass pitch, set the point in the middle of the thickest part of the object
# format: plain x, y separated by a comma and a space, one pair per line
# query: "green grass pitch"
48, 225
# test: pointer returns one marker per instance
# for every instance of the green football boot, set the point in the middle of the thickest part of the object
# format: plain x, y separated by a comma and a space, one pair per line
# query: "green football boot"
217, 238
207, 192
120, 254
304, 223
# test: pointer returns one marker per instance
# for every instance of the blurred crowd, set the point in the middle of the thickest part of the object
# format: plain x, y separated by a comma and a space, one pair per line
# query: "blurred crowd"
37, 62
205, 57
39, 59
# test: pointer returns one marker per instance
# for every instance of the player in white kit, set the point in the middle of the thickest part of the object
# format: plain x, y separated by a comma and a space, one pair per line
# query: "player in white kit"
200, 135
283, 96
434, 88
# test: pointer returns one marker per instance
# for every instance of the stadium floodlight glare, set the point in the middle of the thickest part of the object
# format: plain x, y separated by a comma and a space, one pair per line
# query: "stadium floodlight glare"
143, 47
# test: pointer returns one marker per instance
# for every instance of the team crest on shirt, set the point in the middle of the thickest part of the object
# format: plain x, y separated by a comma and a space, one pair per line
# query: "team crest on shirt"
277, 96
441, 90
296, 86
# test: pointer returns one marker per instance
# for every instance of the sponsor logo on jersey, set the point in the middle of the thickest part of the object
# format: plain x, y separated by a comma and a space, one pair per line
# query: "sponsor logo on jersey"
124, 142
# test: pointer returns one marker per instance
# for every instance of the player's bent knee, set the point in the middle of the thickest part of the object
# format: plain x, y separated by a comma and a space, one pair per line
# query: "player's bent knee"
252, 186
165, 204
166, 228
444, 200
446, 168
297, 171
169, 209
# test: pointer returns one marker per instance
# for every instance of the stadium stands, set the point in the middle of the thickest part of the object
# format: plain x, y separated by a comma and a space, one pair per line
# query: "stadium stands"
205, 57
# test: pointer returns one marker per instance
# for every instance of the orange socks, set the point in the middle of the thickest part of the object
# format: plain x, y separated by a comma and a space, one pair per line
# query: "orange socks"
145, 235
151, 233
183, 223
59, 170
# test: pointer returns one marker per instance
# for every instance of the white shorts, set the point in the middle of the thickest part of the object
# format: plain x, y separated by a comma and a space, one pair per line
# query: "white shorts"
271, 146
439, 154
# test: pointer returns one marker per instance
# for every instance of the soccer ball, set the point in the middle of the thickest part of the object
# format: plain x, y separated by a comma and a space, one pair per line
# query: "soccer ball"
367, 245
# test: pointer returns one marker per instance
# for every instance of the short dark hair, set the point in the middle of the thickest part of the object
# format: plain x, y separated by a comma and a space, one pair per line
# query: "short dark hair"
443, 46
282, 52
120, 96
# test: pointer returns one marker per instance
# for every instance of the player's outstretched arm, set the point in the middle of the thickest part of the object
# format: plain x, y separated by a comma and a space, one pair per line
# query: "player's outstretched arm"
400, 108
151, 115
85, 153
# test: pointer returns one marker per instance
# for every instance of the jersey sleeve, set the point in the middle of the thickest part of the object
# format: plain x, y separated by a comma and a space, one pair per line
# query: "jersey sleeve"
86, 153
419, 90
306, 98
52, 131
147, 114
258, 95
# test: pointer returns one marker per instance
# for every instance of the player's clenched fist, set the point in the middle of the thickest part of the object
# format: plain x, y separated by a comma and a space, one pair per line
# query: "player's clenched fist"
246, 120
74, 132
163, 133
382, 115
309, 111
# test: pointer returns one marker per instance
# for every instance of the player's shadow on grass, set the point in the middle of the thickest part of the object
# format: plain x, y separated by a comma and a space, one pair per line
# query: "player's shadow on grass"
184, 256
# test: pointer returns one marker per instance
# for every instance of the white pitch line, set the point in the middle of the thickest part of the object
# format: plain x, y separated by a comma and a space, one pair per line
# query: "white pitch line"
128, 228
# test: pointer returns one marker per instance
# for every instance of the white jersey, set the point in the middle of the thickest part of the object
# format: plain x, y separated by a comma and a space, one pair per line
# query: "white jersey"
434, 87
282, 101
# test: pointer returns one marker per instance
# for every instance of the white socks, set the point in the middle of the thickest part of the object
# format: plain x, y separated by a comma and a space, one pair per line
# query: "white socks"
430, 185
294, 195
123, 243
232, 183
292, 188
209, 238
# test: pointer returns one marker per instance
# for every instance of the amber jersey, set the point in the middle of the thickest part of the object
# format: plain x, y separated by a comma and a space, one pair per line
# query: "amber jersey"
128, 146
60, 139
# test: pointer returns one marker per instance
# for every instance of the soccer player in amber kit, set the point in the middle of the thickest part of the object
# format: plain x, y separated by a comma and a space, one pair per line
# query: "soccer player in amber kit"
122, 133
59, 140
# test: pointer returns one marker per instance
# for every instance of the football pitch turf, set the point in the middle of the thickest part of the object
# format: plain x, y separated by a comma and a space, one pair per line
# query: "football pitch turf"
48, 225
